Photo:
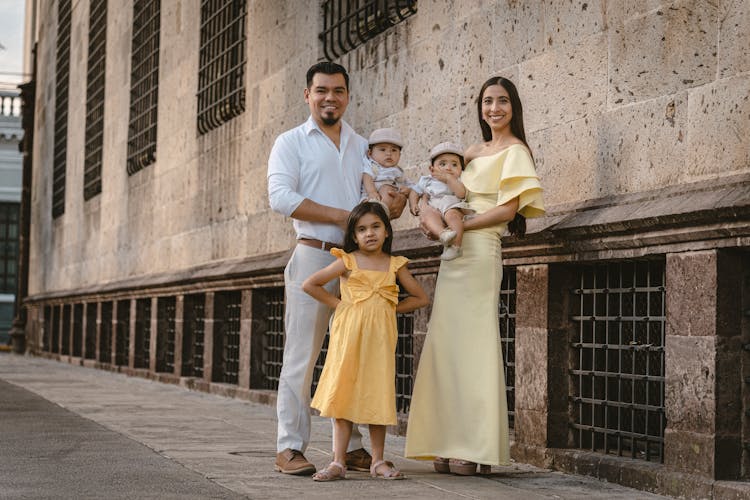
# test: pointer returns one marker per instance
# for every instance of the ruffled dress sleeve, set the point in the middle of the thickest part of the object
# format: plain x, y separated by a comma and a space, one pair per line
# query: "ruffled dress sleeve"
518, 179
397, 262
349, 261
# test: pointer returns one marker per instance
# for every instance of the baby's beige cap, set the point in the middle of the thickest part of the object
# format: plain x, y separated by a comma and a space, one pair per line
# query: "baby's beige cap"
386, 135
446, 147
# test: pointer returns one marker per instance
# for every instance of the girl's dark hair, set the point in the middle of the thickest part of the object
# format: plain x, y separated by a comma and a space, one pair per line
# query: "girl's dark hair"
517, 226
367, 207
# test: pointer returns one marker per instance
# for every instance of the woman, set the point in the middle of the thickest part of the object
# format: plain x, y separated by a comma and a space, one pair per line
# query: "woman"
458, 414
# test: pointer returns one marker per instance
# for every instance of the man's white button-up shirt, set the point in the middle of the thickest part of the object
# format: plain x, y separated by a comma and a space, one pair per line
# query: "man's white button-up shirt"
305, 163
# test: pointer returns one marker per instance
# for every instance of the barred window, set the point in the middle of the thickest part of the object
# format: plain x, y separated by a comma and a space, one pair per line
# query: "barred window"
166, 308
90, 332
618, 359
8, 246
61, 107
507, 319
122, 333
221, 74
144, 84
92, 166
226, 353
347, 24
105, 333
193, 335
142, 333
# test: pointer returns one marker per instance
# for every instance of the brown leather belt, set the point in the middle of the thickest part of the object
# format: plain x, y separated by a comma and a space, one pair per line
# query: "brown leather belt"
321, 245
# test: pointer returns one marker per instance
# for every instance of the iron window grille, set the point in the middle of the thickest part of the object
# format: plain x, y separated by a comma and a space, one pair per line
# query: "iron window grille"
142, 357
267, 338
55, 329
47, 331
92, 165
165, 334
144, 84
227, 308
347, 24
404, 361
507, 317
221, 73
122, 333
105, 333
90, 333
193, 335
618, 359
65, 328
77, 330
62, 76
8, 246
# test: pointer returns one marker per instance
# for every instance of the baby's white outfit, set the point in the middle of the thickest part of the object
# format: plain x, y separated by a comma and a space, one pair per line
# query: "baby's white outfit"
441, 197
391, 176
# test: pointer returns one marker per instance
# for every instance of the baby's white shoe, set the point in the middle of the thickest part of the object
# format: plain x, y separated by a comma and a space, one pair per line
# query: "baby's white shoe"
451, 252
447, 236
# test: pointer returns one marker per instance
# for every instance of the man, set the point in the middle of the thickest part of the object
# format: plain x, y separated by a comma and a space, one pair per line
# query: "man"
315, 177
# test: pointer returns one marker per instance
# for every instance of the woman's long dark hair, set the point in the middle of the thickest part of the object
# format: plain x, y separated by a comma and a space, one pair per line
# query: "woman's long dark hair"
367, 207
517, 226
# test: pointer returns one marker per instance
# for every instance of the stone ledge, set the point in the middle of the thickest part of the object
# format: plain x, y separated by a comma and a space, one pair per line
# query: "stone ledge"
645, 476
715, 211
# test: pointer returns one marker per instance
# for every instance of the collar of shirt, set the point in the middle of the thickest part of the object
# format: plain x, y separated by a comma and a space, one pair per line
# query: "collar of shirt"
311, 126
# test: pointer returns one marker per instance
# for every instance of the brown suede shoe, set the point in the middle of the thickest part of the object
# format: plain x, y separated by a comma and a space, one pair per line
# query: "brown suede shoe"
293, 462
358, 460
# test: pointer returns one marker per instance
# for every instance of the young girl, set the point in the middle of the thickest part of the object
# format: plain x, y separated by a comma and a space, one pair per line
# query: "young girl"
357, 383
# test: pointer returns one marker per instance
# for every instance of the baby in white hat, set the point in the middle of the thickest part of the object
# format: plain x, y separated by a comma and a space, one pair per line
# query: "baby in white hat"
445, 192
384, 153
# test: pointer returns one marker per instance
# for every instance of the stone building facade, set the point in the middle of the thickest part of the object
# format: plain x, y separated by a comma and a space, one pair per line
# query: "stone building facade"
10, 202
152, 249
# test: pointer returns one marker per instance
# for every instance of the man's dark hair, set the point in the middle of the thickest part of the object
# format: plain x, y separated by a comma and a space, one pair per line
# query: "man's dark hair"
327, 68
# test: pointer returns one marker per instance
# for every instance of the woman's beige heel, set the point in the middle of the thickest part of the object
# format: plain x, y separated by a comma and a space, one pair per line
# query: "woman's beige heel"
462, 467
441, 465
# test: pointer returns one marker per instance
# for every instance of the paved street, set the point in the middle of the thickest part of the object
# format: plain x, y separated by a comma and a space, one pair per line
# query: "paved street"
74, 432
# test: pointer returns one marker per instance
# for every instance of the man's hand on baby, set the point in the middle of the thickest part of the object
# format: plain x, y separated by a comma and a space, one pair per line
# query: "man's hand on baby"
397, 203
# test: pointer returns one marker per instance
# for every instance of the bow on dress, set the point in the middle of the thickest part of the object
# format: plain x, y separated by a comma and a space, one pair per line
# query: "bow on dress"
362, 289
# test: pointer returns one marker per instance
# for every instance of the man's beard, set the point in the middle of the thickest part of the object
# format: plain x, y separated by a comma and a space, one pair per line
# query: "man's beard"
328, 122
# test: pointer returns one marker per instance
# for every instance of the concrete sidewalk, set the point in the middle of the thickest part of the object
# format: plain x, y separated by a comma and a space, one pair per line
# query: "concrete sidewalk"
231, 444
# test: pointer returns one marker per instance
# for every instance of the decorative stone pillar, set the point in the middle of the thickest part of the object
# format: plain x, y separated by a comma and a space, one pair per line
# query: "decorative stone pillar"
179, 333
703, 386
208, 338
132, 333
246, 326
153, 346
541, 386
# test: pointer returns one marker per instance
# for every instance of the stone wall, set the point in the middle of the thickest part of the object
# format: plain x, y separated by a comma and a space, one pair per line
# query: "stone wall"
628, 96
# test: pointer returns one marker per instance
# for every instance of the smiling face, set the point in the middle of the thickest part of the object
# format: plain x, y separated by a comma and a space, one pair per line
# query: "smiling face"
447, 162
386, 154
327, 98
497, 110
370, 233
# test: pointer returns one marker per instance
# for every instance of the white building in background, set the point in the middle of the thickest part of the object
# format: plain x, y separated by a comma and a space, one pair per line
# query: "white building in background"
11, 134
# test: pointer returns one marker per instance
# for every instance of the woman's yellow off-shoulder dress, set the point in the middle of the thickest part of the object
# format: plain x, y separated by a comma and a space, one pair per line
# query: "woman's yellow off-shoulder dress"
458, 406
359, 376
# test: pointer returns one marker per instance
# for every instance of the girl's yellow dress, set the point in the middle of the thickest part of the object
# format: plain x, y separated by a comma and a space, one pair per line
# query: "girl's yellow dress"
359, 375
458, 407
